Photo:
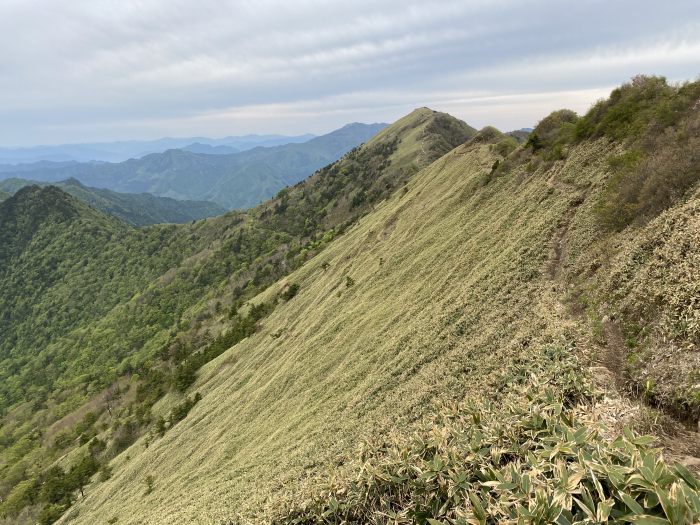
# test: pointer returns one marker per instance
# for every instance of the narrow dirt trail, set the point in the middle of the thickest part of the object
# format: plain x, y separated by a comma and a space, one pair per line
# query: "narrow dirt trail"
613, 353
680, 443
610, 355
554, 265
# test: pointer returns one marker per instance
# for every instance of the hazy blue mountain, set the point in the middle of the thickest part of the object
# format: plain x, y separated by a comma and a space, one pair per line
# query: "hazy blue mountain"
124, 150
137, 209
39, 165
198, 147
238, 180
253, 141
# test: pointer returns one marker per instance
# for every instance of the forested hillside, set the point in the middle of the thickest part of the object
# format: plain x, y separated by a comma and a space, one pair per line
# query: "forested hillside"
137, 209
444, 326
62, 265
238, 180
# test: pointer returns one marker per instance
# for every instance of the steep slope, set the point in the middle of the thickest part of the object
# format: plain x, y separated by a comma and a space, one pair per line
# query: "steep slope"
4, 195
239, 180
108, 368
137, 209
630, 264
454, 289
239, 248
387, 321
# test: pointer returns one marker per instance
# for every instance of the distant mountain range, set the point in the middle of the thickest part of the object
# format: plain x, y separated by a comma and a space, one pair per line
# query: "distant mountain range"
198, 147
124, 150
234, 180
136, 209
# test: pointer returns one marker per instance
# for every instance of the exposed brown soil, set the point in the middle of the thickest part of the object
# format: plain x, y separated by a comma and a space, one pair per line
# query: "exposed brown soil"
559, 243
613, 352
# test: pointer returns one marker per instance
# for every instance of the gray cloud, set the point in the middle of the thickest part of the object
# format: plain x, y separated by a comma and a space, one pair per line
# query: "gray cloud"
100, 70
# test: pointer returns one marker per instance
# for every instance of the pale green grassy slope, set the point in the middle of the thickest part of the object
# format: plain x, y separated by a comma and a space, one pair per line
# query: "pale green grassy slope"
451, 283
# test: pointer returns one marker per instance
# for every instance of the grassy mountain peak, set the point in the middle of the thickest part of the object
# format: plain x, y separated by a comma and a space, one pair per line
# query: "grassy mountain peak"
425, 136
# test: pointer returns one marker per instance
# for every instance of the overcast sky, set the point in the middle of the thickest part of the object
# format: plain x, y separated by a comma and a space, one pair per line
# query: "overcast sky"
89, 70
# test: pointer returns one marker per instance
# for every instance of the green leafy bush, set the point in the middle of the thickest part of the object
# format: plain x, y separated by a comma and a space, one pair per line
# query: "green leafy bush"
290, 291
663, 160
180, 411
50, 513
525, 458
150, 483
506, 146
243, 326
629, 111
553, 133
